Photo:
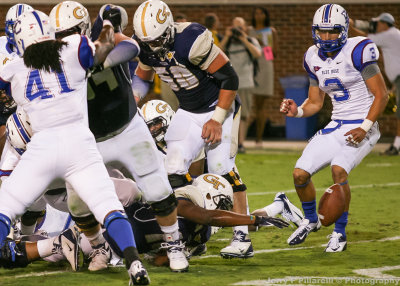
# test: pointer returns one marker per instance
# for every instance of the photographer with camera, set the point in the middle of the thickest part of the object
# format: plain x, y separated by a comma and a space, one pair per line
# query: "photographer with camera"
386, 36
243, 52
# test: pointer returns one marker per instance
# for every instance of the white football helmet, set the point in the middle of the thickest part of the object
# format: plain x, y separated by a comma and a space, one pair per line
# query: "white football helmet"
18, 131
31, 28
70, 15
331, 17
13, 13
216, 190
124, 15
153, 26
158, 115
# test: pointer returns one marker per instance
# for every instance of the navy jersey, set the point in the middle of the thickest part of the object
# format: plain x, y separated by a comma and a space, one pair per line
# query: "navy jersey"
148, 234
184, 67
111, 103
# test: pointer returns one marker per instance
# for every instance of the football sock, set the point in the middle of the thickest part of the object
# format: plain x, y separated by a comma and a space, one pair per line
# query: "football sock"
340, 224
45, 246
310, 210
171, 232
274, 208
27, 229
396, 142
96, 239
242, 228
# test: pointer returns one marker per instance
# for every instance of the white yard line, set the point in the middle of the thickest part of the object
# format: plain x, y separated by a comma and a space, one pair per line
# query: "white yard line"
307, 247
377, 272
392, 184
37, 274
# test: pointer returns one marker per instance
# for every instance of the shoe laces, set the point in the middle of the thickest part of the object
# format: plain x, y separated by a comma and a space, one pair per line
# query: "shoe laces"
57, 249
334, 240
238, 236
173, 246
103, 251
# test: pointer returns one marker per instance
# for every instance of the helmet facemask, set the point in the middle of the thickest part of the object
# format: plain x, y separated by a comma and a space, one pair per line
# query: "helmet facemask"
160, 46
329, 45
158, 127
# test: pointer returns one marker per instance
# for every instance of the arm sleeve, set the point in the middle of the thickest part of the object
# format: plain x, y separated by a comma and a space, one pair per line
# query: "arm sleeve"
123, 52
86, 52
370, 70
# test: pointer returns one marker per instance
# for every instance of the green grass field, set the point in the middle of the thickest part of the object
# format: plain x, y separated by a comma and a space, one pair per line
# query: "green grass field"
374, 218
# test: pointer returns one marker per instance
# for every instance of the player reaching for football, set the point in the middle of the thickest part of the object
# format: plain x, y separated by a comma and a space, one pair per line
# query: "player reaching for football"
346, 69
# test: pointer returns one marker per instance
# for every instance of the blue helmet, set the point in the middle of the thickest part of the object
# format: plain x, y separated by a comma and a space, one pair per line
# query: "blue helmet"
12, 15
327, 18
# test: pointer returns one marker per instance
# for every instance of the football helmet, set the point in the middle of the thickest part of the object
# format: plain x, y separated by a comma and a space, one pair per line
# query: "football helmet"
216, 190
70, 15
31, 28
18, 131
158, 115
153, 26
13, 13
330, 17
124, 14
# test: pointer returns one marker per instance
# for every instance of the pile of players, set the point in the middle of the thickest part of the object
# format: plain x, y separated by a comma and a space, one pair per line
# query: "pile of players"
77, 134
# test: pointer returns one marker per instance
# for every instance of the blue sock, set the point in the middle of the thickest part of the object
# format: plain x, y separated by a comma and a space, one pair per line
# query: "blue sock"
340, 224
5, 225
310, 210
120, 230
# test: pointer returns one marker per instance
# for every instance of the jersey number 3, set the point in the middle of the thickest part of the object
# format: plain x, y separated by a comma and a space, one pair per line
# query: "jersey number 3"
35, 87
337, 85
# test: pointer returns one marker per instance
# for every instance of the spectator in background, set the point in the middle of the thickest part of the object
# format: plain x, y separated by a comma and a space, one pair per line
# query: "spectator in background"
387, 37
264, 80
180, 17
243, 52
211, 22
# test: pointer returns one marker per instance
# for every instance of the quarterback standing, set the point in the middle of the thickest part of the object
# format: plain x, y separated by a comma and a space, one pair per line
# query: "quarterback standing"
346, 69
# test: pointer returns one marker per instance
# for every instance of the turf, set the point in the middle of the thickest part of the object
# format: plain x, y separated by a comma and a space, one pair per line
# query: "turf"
373, 217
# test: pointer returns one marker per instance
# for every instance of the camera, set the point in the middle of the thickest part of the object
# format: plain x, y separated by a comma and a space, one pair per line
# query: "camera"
236, 32
367, 26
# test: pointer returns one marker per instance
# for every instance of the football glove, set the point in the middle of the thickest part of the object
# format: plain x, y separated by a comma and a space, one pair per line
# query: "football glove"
270, 221
13, 255
113, 14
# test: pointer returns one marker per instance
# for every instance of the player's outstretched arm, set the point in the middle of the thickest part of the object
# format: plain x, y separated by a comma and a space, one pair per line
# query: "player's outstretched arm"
104, 44
203, 216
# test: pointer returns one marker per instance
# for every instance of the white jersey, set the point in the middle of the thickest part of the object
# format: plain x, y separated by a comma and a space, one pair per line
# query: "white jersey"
63, 99
340, 77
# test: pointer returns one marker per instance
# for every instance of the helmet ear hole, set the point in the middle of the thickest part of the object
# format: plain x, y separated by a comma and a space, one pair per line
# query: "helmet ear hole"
208, 196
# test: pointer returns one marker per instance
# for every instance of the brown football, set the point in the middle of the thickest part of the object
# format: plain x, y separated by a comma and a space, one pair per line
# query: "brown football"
331, 205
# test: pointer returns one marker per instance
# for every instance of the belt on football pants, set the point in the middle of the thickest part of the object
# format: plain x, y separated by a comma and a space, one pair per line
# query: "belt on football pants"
340, 123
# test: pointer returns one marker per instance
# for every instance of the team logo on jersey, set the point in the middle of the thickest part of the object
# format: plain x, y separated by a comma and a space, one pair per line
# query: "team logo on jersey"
214, 181
170, 55
316, 68
161, 108
78, 13
164, 15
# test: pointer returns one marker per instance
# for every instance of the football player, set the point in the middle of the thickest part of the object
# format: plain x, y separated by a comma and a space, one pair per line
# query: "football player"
346, 69
122, 135
49, 83
200, 74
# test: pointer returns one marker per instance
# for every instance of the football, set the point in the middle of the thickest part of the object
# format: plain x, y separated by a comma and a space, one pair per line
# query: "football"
331, 205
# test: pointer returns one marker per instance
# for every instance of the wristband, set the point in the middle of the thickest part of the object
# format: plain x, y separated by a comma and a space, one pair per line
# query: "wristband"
300, 112
366, 125
219, 114
258, 220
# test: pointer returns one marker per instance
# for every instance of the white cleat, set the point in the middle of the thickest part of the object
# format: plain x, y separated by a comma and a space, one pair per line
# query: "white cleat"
305, 228
138, 274
240, 246
100, 257
336, 243
176, 255
290, 212
68, 244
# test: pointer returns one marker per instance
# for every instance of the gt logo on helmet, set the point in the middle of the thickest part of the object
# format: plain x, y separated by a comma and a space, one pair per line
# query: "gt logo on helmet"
78, 13
164, 16
214, 181
161, 108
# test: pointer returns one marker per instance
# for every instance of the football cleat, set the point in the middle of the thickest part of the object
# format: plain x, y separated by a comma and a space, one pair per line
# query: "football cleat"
13, 255
197, 250
240, 246
100, 257
68, 245
176, 255
138, 274
300, 234
336, 243
290, 212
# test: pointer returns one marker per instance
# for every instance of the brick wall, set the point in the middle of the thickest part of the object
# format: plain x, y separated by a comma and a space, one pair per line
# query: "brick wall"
293, 23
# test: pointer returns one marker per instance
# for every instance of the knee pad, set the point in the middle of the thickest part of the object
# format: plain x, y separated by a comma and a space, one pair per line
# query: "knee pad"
234, 179
145, 158
85, 223
165, 206
76, 206
178, 181
30, 217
